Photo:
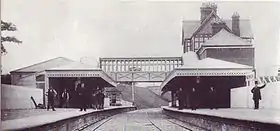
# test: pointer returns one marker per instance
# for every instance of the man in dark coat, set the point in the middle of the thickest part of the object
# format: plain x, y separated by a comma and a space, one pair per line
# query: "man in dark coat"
94, 99
181, 98
82, 92
51, 96
257, 94
212, 98
98, 99
102, 99
75, 94
193, 98
65, 98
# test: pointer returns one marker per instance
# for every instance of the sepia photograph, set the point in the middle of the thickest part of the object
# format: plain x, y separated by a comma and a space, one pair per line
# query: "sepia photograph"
140, 65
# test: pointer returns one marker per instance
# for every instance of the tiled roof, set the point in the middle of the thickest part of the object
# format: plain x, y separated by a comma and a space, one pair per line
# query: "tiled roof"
191, 61
44, 65
224, 37
189, 27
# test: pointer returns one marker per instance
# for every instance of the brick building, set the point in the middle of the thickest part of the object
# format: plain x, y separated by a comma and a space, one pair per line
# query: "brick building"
228, 40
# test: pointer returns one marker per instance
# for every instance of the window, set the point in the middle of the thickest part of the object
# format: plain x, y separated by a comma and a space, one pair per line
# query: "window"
196, 46
188, 45
191, 47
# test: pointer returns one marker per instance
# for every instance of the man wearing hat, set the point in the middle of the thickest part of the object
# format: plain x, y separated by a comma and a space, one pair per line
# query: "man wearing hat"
257, 94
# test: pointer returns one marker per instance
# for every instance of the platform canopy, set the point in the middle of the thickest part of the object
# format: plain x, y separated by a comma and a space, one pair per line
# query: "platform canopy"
77, 69
192, 66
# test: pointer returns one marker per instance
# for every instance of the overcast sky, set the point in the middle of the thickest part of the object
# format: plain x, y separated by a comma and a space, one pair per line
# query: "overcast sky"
79, 28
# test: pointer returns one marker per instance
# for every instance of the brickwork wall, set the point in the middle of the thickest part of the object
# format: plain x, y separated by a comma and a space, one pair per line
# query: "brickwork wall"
23, 79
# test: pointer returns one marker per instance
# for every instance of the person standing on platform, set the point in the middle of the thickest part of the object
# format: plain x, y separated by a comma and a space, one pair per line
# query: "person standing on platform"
94, 99
193, 100
51, 96
257, 94
181, 99
98, 99
82, 92
75, 94
212, 98
65, 99
102, 99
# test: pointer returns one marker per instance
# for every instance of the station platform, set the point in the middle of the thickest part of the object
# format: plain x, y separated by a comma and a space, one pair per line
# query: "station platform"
30, 118
263, 117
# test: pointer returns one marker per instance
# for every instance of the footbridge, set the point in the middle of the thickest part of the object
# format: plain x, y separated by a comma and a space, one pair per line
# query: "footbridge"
139, 69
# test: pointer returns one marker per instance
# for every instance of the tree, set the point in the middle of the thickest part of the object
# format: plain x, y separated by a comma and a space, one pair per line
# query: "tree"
8, 26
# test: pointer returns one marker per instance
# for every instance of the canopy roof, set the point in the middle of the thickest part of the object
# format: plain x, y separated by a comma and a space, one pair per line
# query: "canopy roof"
77, 69
207, 67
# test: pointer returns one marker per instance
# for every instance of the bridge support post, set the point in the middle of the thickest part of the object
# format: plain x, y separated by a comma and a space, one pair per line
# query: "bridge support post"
133, 92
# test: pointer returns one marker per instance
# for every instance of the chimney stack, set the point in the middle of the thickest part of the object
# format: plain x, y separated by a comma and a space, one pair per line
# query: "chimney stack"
235, 24
206, 9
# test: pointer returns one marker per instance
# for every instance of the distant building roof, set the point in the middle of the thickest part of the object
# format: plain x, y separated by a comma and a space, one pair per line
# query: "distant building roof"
75, 66
189, 27
44, 65
224, 37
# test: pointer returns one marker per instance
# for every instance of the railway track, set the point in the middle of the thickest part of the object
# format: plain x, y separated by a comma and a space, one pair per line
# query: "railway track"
147, 119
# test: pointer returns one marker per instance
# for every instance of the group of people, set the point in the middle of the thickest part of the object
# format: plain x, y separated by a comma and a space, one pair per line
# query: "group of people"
84, 97
90, 98
193, 103
212, 97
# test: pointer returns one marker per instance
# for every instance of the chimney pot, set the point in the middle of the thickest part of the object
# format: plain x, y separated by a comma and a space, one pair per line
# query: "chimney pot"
206, 10
235, 24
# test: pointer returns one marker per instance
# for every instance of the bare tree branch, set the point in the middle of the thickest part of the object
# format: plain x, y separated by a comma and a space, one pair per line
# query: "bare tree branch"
7, 26
10, 39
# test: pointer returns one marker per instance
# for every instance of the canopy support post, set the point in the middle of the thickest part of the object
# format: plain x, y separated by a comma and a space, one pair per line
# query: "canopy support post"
173, 99
45, 90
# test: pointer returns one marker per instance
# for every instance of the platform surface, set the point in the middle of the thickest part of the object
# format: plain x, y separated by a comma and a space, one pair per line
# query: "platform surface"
262, 115
18, 119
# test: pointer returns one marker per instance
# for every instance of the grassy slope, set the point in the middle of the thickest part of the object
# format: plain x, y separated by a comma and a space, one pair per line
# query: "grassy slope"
144, 98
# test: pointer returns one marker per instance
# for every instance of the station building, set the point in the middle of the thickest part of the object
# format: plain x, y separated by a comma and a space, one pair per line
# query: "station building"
218, 53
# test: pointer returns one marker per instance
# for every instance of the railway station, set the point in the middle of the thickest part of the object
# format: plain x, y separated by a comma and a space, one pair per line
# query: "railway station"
217, 55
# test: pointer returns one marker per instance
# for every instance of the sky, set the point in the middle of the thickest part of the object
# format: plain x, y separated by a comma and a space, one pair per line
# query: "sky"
101, 28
